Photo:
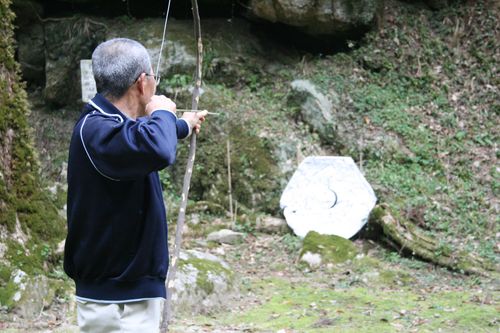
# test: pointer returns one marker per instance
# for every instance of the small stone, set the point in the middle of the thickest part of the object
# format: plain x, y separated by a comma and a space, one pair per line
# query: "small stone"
194, 219
312, 259
226, 236
220, 251
272, 225
60, 247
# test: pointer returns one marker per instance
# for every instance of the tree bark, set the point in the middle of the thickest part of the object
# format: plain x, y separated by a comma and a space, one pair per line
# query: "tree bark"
407, 237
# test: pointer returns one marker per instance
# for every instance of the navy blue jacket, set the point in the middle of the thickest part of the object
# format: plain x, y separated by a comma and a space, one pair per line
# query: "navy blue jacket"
116, 248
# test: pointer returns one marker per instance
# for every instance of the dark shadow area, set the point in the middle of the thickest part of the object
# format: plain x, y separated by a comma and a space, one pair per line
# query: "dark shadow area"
280, 35
288, 37
139, 8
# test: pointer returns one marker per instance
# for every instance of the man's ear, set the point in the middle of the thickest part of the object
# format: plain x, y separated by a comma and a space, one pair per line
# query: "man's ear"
141, 83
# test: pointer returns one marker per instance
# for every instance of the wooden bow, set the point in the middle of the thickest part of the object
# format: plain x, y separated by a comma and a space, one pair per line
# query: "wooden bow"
167, 313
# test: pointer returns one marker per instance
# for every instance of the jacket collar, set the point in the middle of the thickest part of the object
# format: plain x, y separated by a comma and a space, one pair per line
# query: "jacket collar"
104, 106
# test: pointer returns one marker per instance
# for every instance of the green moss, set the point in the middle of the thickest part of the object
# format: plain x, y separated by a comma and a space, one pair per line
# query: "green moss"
203, 229
377, 213
391, 278
41, 221
60, 198
5, 272
205, 268
303, 307
333, 249
62, 288
366, 263
29, 259
7, 288
6, 293
206, 207
255, 176
21, 194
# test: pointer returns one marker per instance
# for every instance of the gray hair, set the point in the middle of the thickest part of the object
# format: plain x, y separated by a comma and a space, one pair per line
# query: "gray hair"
117, 63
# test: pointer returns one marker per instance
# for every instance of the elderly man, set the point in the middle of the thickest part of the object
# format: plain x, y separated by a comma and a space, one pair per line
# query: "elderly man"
116, 247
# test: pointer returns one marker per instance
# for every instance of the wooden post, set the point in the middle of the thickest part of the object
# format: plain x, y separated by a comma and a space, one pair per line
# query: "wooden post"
229, 186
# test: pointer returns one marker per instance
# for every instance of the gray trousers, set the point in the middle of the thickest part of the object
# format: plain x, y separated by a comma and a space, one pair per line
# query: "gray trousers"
141, 316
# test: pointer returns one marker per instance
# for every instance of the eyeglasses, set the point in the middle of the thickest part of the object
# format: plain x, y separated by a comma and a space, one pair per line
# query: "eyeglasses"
155, 77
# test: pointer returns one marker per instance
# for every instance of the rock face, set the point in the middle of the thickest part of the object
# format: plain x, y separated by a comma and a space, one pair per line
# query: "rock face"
321, 17
318, 250
50, 54
66, 42
27, 12
204, 283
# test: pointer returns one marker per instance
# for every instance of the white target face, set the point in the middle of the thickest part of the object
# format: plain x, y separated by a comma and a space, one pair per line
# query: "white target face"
328, 195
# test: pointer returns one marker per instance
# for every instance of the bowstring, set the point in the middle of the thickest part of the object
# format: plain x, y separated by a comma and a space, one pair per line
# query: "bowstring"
162, 43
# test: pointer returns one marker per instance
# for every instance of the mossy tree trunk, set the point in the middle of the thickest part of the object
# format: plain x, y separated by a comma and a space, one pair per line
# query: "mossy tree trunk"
23, 203
407, 237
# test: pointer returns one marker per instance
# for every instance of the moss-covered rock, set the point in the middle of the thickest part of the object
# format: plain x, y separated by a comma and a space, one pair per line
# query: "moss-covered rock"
204, 283
318, 250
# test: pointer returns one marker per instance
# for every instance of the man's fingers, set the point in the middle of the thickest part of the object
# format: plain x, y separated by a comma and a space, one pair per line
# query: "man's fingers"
197, 128
195, 119
202, 113
160, 102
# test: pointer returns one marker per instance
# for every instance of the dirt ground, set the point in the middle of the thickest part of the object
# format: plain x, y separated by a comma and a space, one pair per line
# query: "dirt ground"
378, 291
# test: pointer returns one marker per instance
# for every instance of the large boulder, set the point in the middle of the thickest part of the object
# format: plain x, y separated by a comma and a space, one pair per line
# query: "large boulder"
316, 108
321, 17
204, 283
178, 54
